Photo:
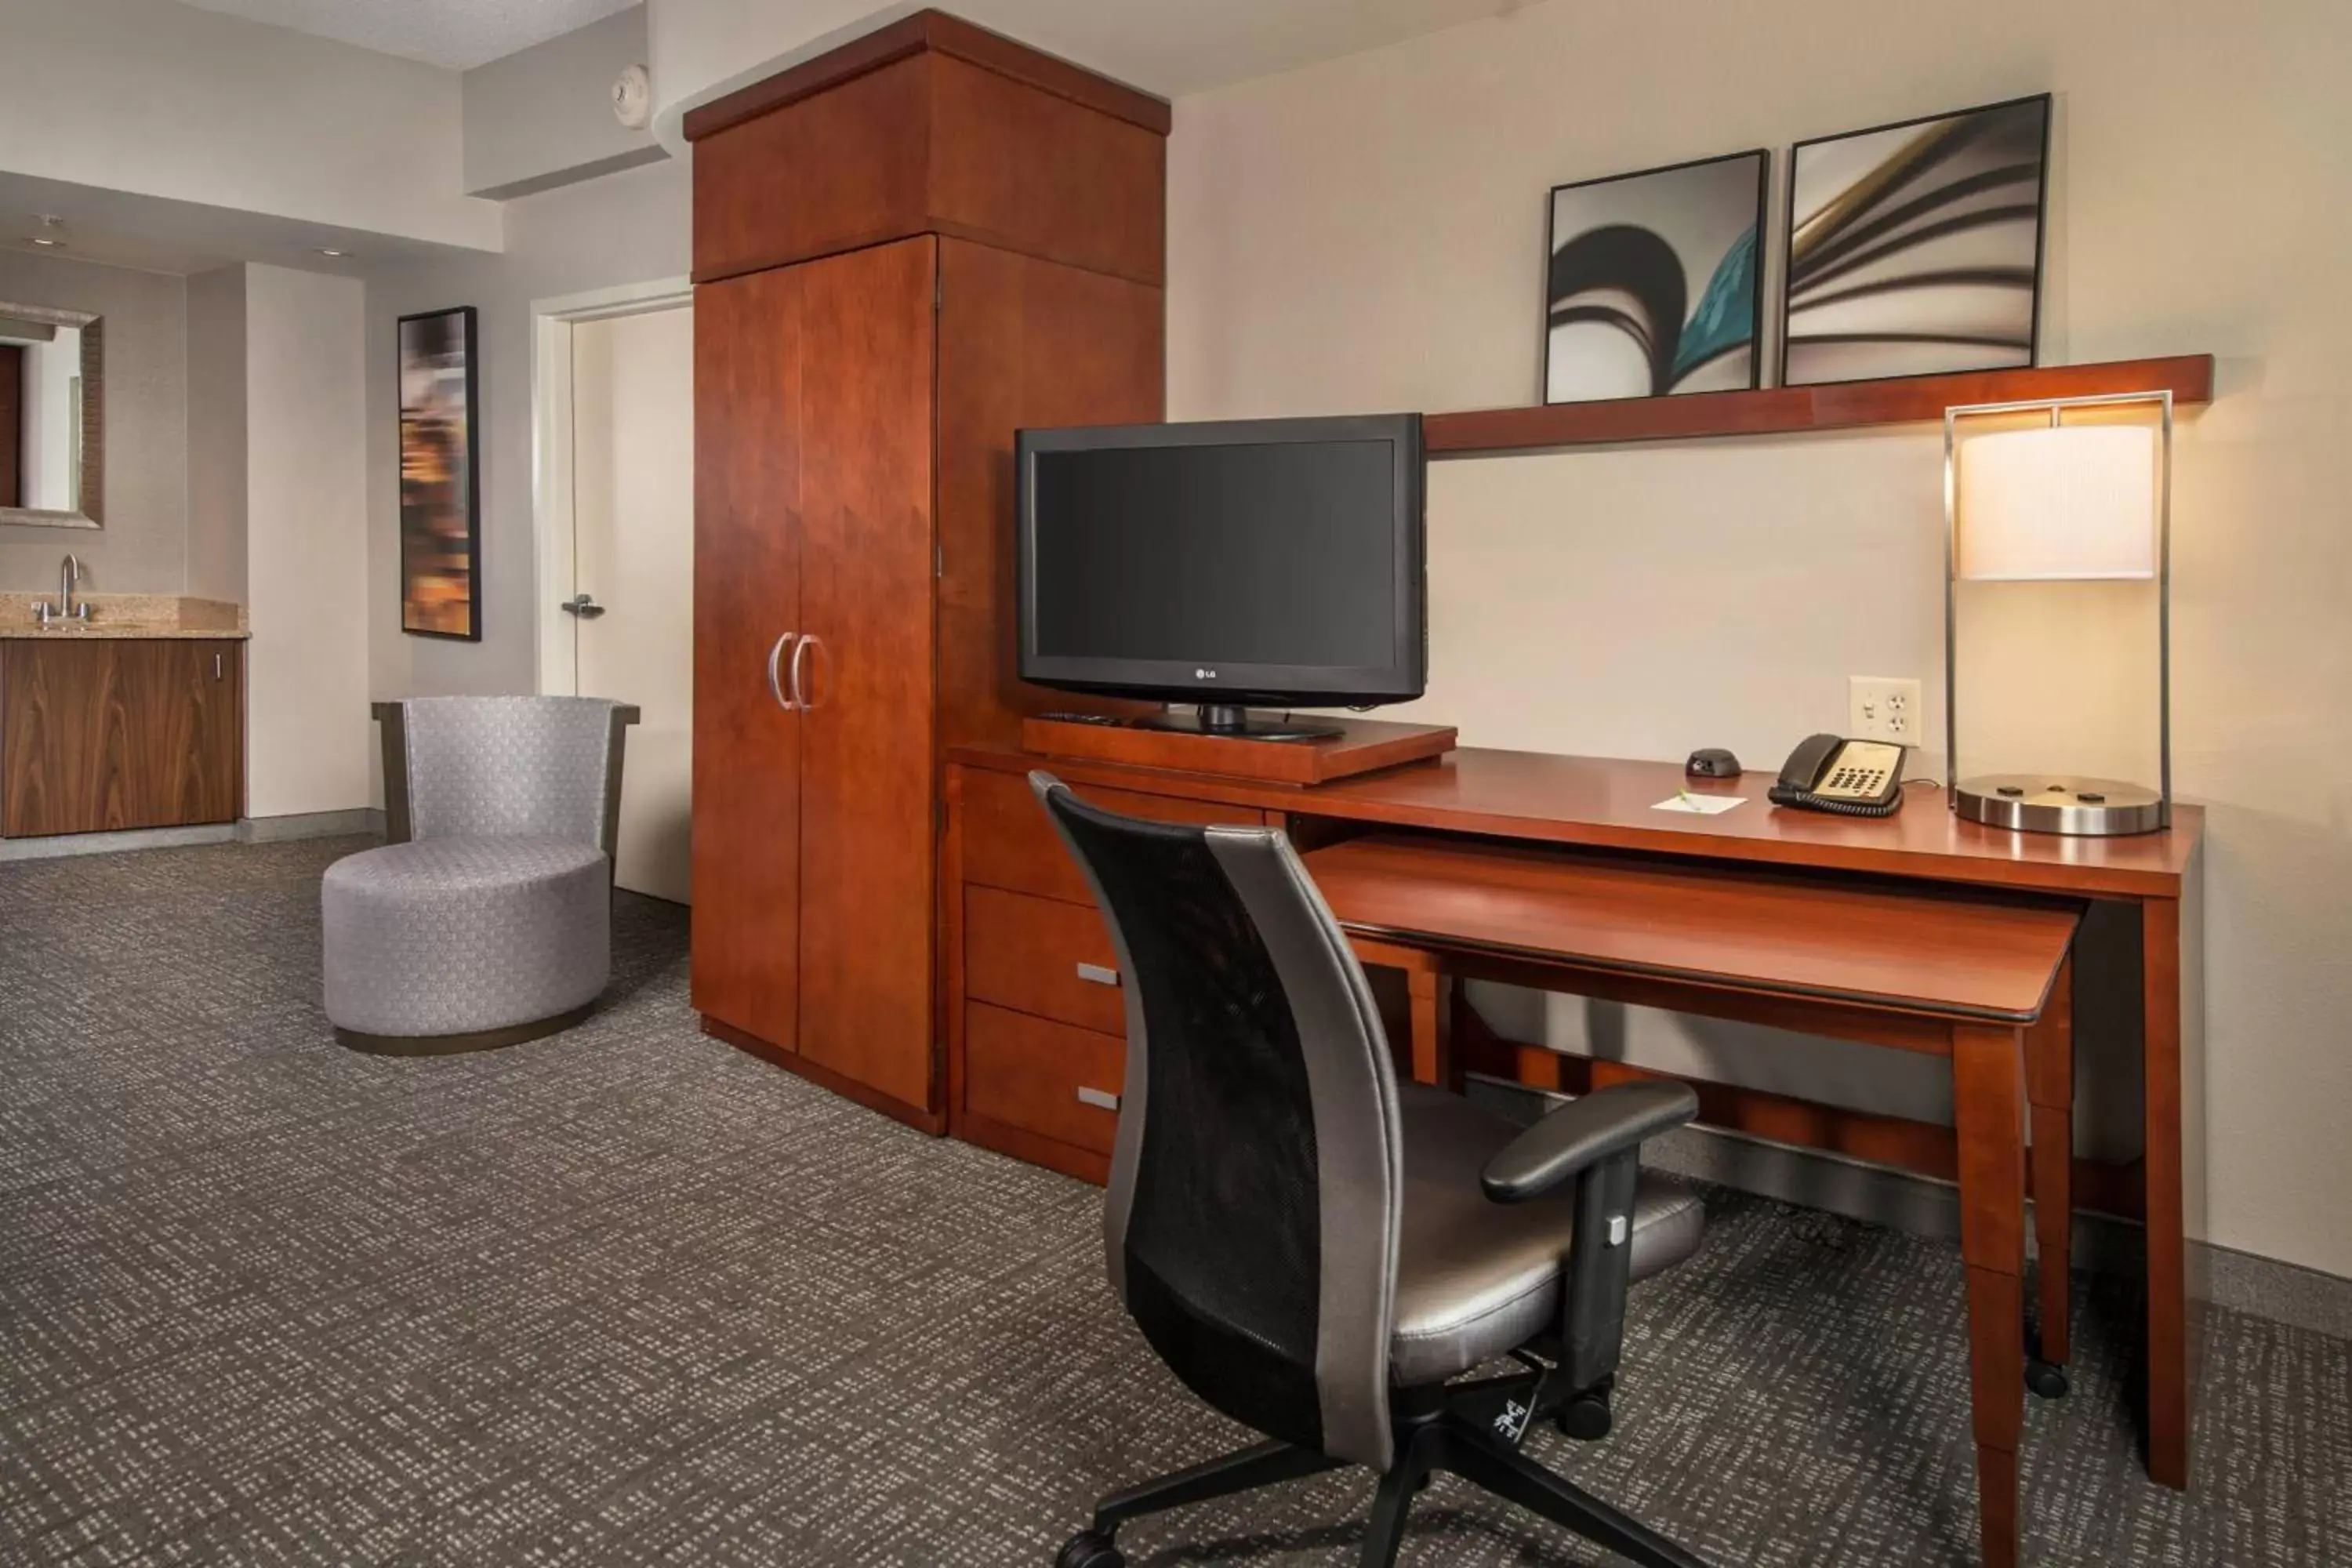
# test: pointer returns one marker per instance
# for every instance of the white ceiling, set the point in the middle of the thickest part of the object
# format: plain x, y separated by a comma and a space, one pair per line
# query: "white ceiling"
457, 35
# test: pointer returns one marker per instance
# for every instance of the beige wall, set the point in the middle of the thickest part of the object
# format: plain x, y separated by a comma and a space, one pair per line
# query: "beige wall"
628, 228
165, 99
142, 549
309, 739
543, 116
216, 435
1368, 234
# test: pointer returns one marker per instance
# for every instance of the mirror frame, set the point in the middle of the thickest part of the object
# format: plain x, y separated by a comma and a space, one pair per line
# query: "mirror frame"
93, 422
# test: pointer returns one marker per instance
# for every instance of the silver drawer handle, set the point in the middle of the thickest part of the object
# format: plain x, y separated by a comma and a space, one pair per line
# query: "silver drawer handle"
1097, 974
1101, 1100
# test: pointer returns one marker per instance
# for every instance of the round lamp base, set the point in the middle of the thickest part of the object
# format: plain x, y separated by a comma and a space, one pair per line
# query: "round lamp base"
2054, 803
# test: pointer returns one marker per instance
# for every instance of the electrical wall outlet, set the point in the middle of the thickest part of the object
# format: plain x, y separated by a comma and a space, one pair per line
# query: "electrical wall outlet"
1879, 709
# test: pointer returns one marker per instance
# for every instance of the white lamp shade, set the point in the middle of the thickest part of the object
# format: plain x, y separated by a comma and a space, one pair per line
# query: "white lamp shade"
2067, 502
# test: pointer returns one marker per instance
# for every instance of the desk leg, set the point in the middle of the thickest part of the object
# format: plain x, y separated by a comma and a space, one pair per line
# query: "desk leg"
2168, 1247
1430, 1047
1433, 1027
2049, 1090
1989, 1104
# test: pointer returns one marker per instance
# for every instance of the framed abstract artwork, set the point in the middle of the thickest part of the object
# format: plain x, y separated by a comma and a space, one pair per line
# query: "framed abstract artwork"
1916, 249
440, 487
1653, 284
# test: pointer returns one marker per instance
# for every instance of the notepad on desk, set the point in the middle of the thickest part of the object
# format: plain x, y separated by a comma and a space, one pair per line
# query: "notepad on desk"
1700, 805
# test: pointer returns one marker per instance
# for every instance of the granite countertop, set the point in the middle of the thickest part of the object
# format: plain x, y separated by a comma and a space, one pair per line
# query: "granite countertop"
126, 615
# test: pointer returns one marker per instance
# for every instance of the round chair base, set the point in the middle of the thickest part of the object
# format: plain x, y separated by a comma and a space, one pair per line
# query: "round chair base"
453, 1045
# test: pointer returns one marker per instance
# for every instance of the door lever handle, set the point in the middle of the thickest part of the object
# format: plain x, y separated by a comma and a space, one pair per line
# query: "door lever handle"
775, 684
584, 605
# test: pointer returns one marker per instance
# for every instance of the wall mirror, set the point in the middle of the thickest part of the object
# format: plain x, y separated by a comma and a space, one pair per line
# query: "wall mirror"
52, 418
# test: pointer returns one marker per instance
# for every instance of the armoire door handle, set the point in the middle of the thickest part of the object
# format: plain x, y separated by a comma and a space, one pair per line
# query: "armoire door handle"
774, 683
801, 697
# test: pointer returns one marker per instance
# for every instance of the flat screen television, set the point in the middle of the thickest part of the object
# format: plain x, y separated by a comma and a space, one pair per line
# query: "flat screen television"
1274, 562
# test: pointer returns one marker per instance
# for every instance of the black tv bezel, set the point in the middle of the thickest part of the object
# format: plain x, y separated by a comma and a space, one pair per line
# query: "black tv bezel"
1402, 679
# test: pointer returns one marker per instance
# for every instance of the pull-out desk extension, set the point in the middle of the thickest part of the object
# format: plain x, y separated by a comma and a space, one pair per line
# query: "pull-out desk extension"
1034, 1024
1970, 978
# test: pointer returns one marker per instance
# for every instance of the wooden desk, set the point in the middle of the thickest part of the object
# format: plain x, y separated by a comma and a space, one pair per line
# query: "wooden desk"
1969, 978
1024, 1040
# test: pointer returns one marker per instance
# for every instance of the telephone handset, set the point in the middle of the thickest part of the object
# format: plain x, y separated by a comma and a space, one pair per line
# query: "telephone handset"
1852, 778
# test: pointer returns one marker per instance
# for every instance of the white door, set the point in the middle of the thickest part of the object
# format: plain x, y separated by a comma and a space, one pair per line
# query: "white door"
633, 555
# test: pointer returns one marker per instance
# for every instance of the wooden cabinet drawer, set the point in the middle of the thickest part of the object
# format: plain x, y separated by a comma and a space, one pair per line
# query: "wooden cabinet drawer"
1041, 956
1029, 1073
1009, 842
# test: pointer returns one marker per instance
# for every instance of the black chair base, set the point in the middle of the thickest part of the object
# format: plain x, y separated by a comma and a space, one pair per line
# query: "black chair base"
1471, 1430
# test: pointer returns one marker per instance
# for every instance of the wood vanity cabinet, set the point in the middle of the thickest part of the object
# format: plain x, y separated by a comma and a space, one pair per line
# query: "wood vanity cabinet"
105, 733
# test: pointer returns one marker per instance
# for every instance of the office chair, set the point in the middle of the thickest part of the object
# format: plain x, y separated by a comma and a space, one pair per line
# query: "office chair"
1317, 1251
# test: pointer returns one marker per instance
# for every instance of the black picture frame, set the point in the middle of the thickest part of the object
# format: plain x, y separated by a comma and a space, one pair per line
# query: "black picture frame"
1763, 160
418, 428
2048, 103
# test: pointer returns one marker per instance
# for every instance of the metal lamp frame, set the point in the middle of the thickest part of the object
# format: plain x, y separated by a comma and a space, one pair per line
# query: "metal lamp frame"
2057, 409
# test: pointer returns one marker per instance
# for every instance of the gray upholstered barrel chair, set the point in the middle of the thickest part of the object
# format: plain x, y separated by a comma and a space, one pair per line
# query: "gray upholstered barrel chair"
488, 918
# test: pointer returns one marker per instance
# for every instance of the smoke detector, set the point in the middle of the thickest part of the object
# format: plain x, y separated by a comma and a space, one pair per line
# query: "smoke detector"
633, 97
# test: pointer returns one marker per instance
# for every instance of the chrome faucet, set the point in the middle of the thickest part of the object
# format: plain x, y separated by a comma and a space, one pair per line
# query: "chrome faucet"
68, 573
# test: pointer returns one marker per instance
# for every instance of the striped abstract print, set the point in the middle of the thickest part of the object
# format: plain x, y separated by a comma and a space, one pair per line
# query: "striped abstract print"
1915, 248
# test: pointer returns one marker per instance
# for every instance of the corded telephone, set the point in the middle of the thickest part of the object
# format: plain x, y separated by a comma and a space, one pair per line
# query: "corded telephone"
1852, 778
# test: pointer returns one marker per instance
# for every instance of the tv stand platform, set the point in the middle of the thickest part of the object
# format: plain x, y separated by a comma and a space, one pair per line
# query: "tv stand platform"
1267, 752
1226, 719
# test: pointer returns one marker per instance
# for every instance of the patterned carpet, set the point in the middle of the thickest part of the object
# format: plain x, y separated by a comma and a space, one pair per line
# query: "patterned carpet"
628, 1296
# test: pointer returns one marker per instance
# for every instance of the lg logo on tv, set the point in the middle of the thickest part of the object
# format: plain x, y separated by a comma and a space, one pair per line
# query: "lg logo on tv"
1205, 675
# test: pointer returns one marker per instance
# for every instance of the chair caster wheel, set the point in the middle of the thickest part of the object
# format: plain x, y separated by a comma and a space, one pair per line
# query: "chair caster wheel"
1584, 1418
2044, 1380
1089, 1549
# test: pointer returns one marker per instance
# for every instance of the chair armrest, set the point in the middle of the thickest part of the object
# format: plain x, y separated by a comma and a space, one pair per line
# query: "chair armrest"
1581, 1135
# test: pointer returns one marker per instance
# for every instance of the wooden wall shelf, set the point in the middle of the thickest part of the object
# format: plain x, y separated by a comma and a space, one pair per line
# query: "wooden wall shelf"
1788, 410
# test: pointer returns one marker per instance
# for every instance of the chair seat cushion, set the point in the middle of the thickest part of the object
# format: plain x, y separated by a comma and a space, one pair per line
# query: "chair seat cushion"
1475, 1278
458, 935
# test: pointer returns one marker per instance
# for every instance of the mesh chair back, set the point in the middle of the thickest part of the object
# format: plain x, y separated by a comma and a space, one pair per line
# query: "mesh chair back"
1252, 1217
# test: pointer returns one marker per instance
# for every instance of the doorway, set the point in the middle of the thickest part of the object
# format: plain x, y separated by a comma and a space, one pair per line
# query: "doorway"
615, 390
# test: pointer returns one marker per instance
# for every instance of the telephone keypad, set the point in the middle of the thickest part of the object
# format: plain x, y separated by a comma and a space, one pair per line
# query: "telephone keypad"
1856, 782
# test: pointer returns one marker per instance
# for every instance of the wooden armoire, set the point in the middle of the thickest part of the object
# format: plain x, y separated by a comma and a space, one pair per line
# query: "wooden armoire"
903, 252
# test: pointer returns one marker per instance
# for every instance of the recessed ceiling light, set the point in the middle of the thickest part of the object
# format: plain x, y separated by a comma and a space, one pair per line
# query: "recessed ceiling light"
330, 250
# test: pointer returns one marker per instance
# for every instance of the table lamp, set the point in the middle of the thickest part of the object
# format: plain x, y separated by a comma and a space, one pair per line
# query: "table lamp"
2056, 503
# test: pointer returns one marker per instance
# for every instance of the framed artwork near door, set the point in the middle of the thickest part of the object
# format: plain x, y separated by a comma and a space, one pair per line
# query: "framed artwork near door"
440, 483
